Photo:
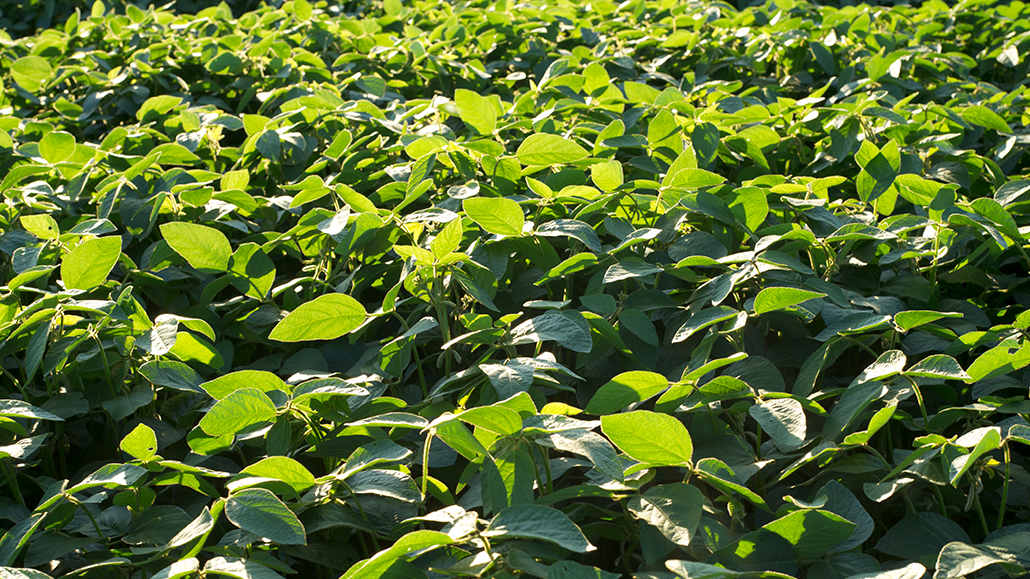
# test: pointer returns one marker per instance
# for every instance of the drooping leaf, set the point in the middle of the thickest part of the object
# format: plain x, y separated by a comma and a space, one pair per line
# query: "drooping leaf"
260, 512
539, 522
674, 509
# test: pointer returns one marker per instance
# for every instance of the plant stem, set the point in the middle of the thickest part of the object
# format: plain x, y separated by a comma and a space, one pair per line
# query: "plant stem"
96, 526
1005, 486
12, 481
979, 509
425, 464
940, 500
922, 406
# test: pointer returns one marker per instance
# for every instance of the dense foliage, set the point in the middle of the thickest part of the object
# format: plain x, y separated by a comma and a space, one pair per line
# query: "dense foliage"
552, 289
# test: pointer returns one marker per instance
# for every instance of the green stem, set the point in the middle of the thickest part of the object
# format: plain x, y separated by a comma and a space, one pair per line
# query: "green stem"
864, 347
96, 526
922, 406
547, 469
910, 508
107, 367
879, 456
361, 510
16, 382
979, 509
425, 464
441, 318
540, 483
12, 481
1005, 486
940, 500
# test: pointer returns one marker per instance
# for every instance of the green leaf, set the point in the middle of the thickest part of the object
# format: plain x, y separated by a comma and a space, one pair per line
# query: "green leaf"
626, 389
920, 535
758, 551
31, 72
238, 568
269, 145
983, 440
234, 180
327, 317
141, 443
205, 248
371, 454
226, 384
393, 420
914, 318
576, 263
19, 409
959, 559
691, 178
999, 360
938, 366
497, 419
640, 325
457, 436
285, 469
780, 298
591, 446
702, 320
508, 379
574, 570
497, 215
548, 149
178, 569
16, 538
41, 225
448, 240
414, 542
607, 176
985, 117
251, 270
812, 532
571, 228
718, 474
157, 107
673, 508
878, 421
90, 262
840, 501
566, 328
476, 111
784, 420
651, 438
849, 405
57, 146
13, 573
238, 411
260, 512
111, 476
161, 338
302, 9
538, 522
